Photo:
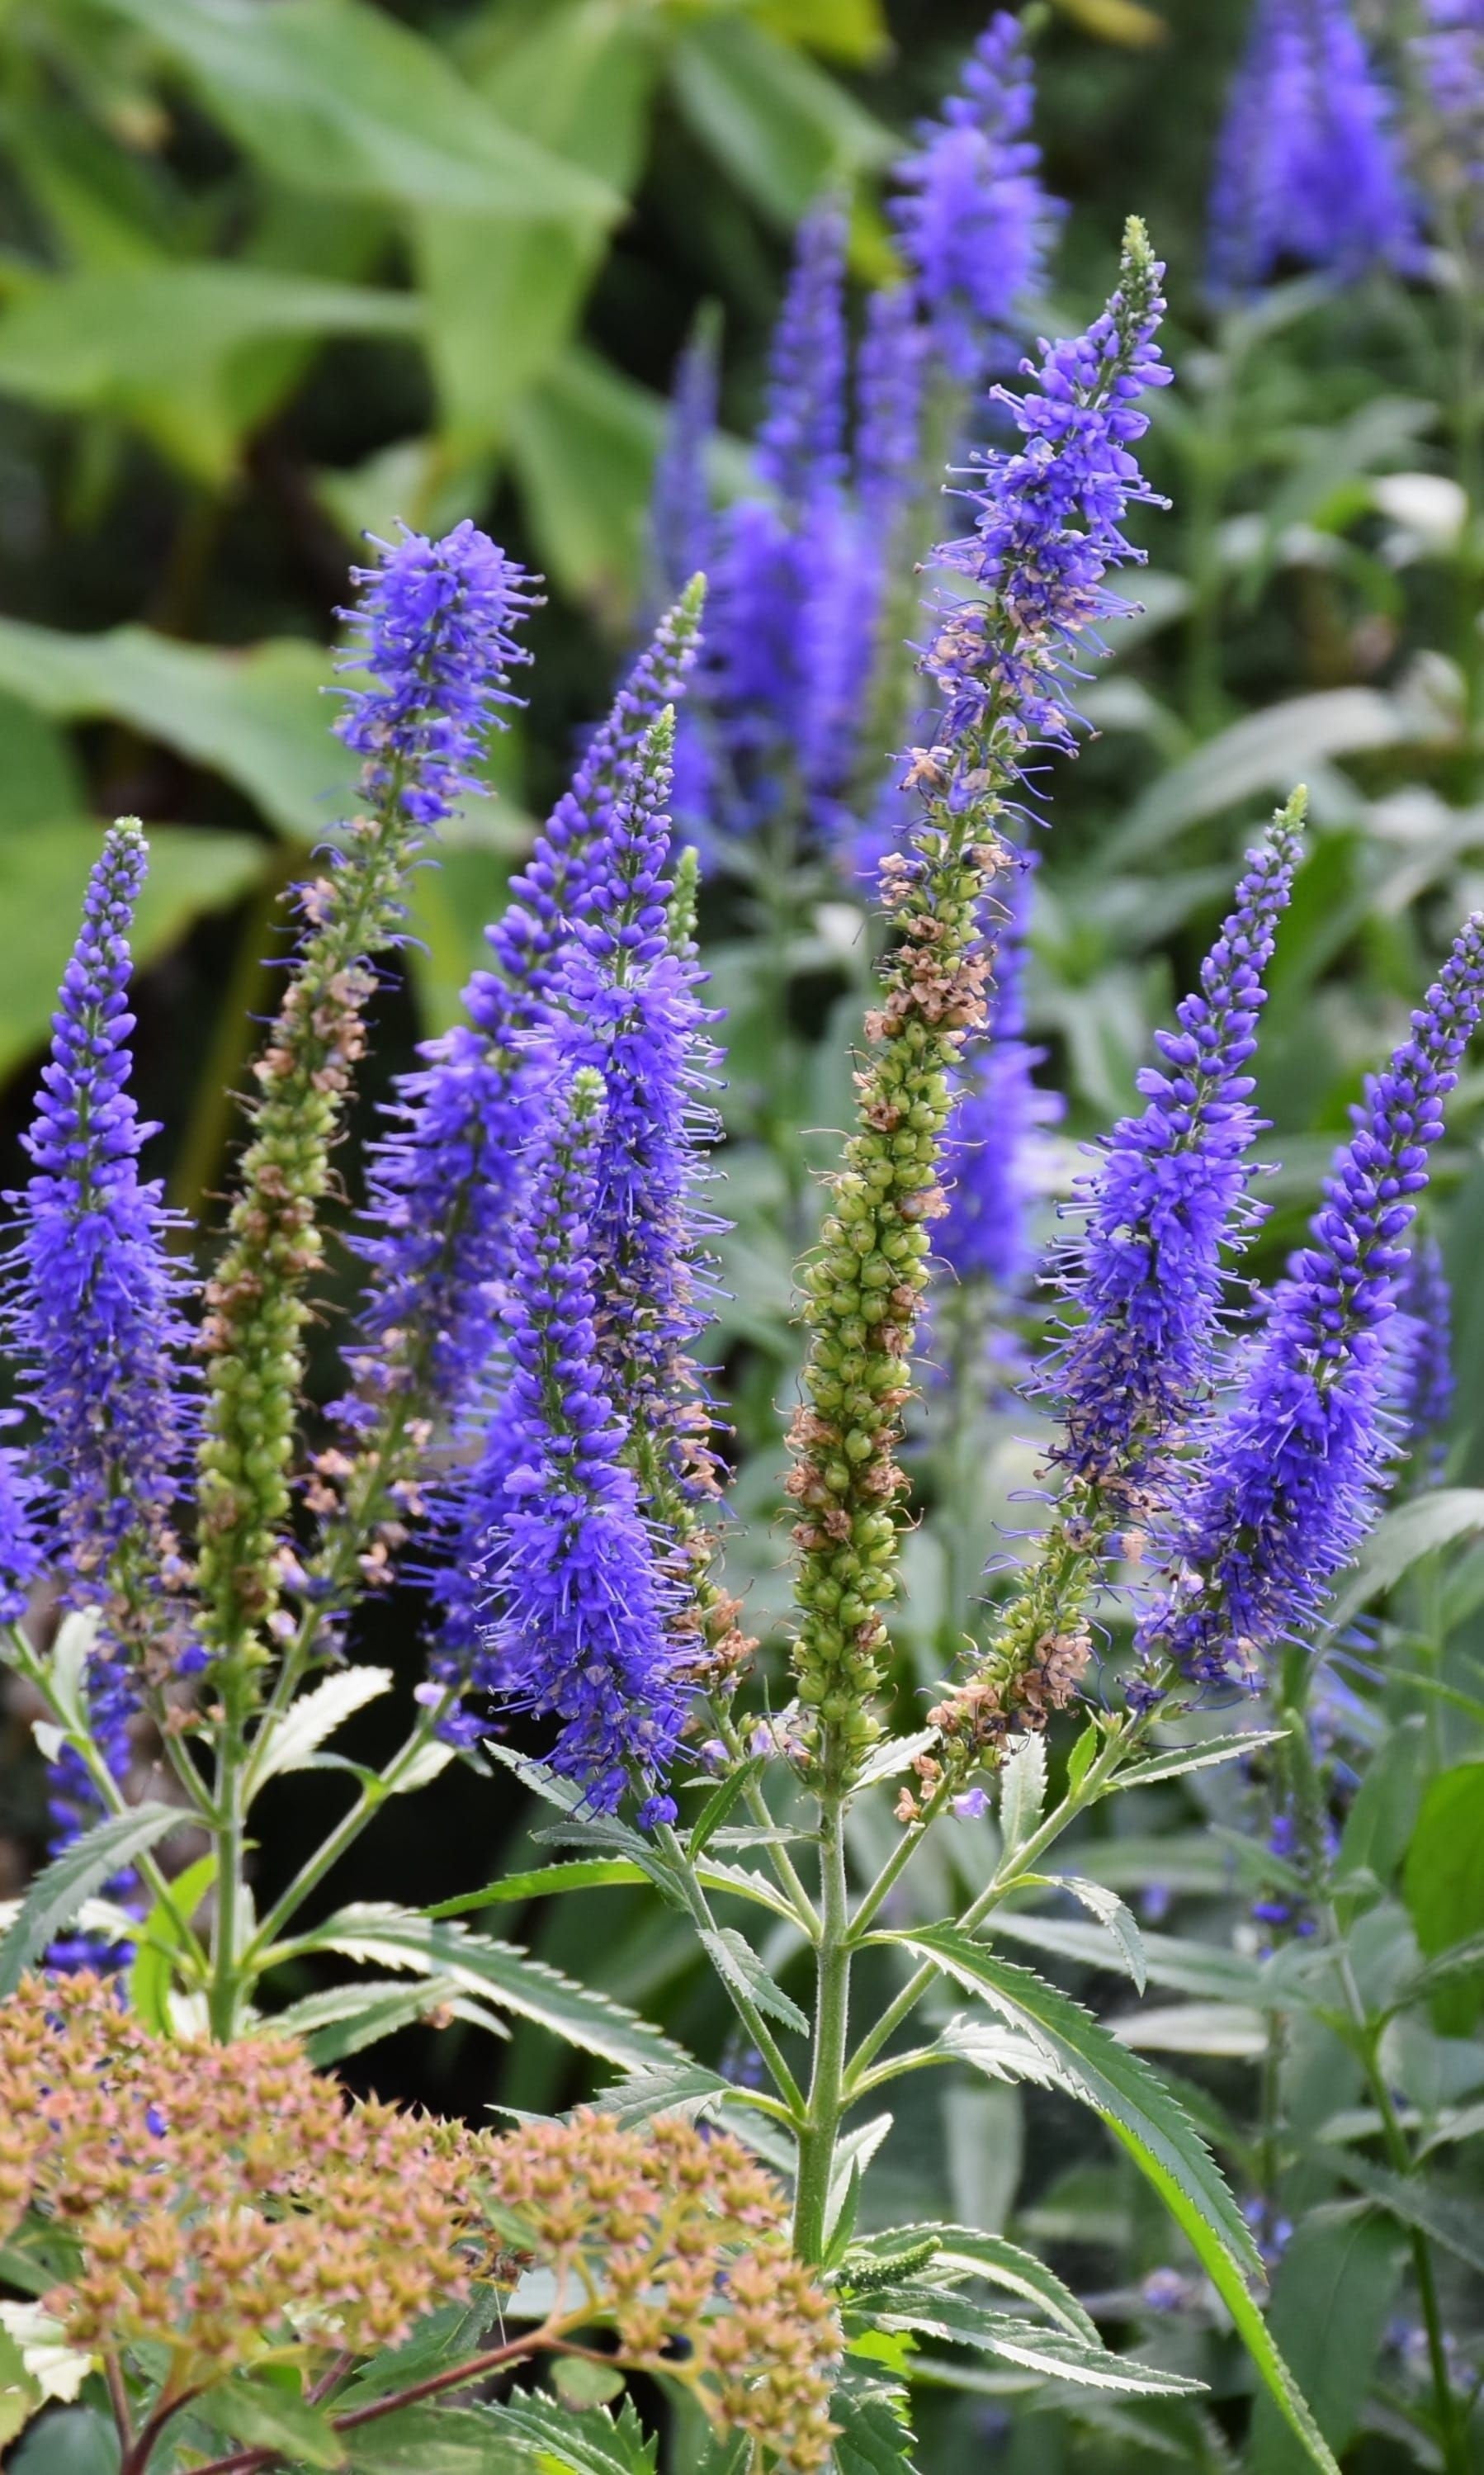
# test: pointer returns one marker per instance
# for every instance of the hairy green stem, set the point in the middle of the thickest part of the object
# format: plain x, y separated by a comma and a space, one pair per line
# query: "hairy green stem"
820, 2131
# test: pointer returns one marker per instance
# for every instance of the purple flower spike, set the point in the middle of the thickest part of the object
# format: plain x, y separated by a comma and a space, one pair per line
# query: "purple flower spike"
989, 1140
801, 441
1424, 1351
20, 1554
975, 223
889, 405
681, 522
1046, 531
444, 1181
1309, 168
94, 1298
436, 624
581, 1630
1143, 1282
1292, 1469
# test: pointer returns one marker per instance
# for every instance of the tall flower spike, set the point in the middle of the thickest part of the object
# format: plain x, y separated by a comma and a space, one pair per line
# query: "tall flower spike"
1143, 1282
438, 620
889, 405
1143, 1285
443, 1184
1308, 168
989, 1140
94, 1300
1048, 531
581, 1630
801, 441
974, 222
1292, 1468
680, 521
1424, 1349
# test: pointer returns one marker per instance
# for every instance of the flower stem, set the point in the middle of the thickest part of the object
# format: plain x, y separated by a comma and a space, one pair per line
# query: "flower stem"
832, 2022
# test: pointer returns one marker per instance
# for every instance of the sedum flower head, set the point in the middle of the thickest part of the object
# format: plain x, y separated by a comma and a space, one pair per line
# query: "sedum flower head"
1291, 1467
974, 222
1309, 168
94, 1300
1144, 1282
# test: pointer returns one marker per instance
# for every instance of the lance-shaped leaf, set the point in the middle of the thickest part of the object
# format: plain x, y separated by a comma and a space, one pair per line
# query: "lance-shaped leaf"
292, 1738
55, 1896
920, 2308
1091, 2066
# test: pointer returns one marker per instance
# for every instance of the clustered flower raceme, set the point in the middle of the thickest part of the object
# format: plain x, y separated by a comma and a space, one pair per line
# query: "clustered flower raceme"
1425, 1351
1291, 1467
1309, 167
983, 1239
680, 2239
974, 222
229, 2207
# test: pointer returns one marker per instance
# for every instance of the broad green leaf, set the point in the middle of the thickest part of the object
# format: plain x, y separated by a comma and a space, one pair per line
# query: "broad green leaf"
161, 1941
580, 2382
442, 2440
1331, 2299
41, 778
19, 2395
1444, 1876
593, 2443
1400, 1538
1379, 1824
1139, 2110
1118, 21
1022, 1790
578, 79
642, 2095
1264, 753
337, 95
582, 443
76, 2441
737, 1964
1181, 1758
1225, 2029
1182, 1860
496, 1973
153, 345
55, 1896
287, 1742
257, 718
940, 2311
266, 2416
1463, 1959
1196, 1968
781, 128
851, 31
43, 872
873, 2439
1449, 2219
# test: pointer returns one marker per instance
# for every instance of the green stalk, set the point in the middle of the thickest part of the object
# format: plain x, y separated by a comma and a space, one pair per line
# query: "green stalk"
743, 2005
820, 2129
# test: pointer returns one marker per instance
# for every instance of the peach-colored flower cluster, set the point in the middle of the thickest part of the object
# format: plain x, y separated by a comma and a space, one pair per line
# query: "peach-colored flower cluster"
678, 2237
228, 2201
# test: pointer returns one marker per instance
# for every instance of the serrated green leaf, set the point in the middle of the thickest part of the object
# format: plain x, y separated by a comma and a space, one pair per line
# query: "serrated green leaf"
497, 1972
441, 2441
344, 2019
1092, 2065
1109, 1910
1180, 1759
873, 2438
582, 1873
1331, 2300
738, 1965
55, 1896
1447, 2218
718, 1804
286, 1742
967, 2252
1400, 1538
591, 2443
266, 2416
944, 2314
581, 2382
1195, 1968
1022, 1790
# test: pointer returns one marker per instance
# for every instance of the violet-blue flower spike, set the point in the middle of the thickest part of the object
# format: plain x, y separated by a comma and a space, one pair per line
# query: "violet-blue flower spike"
989, 1140
580, 1631
680, 510
21, 1558
444, 1179
974, 222
435, 627
630, 1013
94, 1296
1292, 1468
801, 438
1424, 1354
1143, 1281
1449, 51
1047, 522
1309, 167
889, 405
